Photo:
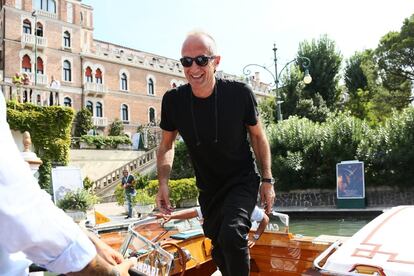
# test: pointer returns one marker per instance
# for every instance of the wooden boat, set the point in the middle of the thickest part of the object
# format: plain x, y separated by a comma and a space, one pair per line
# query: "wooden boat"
382, 247
277, 252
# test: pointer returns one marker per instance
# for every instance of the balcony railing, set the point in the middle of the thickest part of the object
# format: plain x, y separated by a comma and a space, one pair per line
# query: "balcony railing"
29, 39
100, 121
41, 78
46, 14
95, 89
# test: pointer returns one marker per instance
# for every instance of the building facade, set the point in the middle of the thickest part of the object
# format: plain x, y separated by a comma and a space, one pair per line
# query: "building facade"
51, 44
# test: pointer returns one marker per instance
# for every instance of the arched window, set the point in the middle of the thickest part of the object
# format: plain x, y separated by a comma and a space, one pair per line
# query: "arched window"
98, 109
26, 64
124, 82
47, 5
66, 39
27, 26
39, 66
98, 76
39, 29
124, 113
67, 71
67, 102
89, 106
88, 74
150, 87
38, 99
151, 115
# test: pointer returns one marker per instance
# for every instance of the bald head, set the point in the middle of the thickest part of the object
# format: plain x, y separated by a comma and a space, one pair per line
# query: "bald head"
202, 39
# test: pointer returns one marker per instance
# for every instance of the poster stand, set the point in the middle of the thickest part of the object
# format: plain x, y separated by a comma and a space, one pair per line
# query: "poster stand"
350, 184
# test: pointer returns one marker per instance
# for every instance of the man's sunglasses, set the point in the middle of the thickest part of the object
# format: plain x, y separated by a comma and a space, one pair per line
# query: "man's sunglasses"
199, 60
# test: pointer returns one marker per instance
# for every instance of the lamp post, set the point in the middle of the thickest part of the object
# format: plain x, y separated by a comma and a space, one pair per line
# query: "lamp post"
305, 63
35, 47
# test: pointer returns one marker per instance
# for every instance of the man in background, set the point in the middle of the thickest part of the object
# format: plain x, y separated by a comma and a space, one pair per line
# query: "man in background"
128, 184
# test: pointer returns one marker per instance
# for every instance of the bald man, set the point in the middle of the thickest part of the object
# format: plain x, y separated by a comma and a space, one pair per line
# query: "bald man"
214, 117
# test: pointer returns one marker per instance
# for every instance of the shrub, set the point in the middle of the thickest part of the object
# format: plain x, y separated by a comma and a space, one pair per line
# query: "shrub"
389, 151
180, 189
105, 141
143, 198
182, 166
141, 181
79, 200
119, 195
305, 153
83, 122
49, 128
116, 128
87, 183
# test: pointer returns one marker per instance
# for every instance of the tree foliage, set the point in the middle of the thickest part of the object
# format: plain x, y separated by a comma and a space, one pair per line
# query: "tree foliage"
182, 166
116, 128
83, 122
354, 75
324, 68
49, 129
396, 51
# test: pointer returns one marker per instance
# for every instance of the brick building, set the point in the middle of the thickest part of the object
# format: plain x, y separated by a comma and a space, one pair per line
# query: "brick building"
74, 69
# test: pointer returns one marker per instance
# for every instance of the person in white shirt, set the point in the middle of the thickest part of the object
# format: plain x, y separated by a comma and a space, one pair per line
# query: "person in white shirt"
34, 230
258, 215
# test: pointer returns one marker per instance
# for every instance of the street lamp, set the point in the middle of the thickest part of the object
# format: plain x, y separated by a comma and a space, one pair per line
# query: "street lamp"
304, 61
35, 47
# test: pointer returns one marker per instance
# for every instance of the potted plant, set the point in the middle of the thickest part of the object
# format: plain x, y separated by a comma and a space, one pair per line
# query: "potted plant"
76, 203
144, 203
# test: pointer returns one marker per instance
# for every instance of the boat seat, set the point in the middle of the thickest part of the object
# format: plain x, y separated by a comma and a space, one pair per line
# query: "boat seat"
188, 234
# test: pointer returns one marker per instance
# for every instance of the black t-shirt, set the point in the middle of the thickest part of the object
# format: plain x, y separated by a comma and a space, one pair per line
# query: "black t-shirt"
219, 148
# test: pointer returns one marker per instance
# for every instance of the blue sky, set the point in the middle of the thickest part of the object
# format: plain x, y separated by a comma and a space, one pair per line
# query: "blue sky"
246, 30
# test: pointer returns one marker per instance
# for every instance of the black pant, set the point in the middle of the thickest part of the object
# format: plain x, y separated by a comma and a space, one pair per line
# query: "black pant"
227, 224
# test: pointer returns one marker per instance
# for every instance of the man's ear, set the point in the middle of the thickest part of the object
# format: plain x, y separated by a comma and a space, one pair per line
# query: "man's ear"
217, 60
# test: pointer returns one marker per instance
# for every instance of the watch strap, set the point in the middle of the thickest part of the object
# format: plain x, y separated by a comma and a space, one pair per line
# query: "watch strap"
268, 180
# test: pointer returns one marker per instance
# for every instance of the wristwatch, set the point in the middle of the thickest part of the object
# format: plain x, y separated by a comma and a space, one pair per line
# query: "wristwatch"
268, 180
256, 237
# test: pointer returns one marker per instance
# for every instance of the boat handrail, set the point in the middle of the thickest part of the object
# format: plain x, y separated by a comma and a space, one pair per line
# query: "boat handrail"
325, 254
284, 218
166, 257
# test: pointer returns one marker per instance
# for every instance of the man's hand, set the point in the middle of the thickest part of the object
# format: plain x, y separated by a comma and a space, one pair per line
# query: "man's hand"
105, 251
267, 196
124, 266
251, 242
163, 200
165, 217
109, 254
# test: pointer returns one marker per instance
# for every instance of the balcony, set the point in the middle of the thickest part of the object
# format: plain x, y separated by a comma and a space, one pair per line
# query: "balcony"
94, 89
100, 121
40, 80
29, 40
42, 13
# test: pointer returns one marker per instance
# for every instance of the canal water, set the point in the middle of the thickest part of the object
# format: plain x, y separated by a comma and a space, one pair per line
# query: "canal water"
335, 223
316, 227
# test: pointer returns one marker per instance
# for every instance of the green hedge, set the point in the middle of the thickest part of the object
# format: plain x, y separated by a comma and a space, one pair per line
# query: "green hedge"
305, 153
389, 151
49, 129
180, 189
105, 141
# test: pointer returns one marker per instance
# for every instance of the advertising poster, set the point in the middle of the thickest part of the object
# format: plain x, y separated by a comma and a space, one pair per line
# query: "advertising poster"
65, 179
350, 180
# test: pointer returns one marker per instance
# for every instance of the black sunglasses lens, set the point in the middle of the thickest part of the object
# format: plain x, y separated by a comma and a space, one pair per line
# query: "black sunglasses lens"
186, 61
201, 60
